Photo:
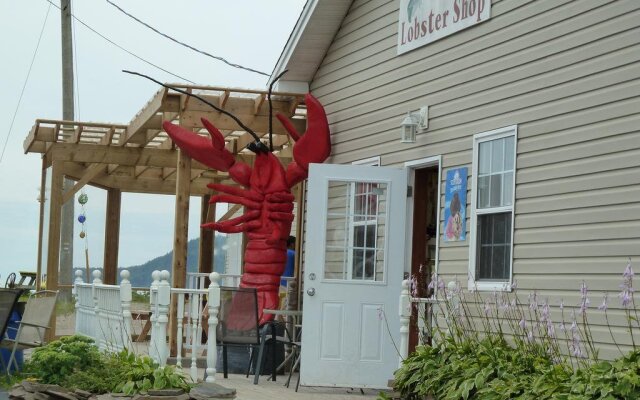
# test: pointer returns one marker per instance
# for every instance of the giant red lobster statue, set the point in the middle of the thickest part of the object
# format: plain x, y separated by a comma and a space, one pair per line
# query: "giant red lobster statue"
266, 197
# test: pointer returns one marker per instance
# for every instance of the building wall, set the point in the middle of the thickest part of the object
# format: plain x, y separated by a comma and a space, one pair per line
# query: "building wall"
566, 72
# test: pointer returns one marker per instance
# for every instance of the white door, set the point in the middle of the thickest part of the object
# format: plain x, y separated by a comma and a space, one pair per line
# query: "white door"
354, 265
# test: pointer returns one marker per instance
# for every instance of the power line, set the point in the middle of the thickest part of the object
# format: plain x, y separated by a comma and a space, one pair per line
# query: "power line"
186, 45
122, 48
33, 59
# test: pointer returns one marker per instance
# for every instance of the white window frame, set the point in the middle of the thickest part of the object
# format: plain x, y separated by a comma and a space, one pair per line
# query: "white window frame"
477, 139
374, 162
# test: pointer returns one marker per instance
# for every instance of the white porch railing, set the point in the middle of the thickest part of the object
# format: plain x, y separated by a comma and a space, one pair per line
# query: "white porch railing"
196, 280
103, 312
193, 307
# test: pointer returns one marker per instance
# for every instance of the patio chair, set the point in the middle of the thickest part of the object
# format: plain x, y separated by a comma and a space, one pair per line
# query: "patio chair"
33, 325
237, 322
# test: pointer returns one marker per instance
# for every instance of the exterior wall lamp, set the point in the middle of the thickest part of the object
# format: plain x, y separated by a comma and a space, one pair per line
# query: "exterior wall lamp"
413, 121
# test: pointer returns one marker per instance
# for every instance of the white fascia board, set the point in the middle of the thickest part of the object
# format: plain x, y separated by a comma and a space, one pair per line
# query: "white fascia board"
294, 38
291, 87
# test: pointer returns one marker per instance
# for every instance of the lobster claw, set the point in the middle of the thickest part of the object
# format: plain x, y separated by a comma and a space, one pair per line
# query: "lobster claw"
211, 153
314, 146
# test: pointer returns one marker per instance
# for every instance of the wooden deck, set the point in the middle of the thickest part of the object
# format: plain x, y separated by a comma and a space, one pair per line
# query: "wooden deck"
267, 390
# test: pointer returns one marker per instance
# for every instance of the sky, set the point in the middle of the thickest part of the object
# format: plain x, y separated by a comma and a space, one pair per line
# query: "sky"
251, 33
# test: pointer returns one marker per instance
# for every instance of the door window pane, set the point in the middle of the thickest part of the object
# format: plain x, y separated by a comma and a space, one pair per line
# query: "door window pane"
355, 231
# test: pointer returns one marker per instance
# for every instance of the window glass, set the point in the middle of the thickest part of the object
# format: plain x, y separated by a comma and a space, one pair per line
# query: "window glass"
356, 223
493, 253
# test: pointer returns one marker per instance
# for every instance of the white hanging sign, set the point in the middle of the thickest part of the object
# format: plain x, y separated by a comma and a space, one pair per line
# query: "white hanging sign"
424, 21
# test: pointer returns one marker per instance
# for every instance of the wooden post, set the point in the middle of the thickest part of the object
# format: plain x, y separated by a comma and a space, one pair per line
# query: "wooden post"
180, 237
42, 200
53, 247
112, 236
207, 236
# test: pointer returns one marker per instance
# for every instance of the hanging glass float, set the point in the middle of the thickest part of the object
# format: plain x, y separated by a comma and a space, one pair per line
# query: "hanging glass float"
83, 198
82, 218
82, 235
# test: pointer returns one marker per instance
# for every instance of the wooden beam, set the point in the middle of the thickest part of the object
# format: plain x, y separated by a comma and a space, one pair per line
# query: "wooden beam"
108, 137
77, 133
55, 220
112, 236
136, 131
93, 171
180, 238
223, 98
230, 212
259, 123
258, 103
133, 156
207, 236
43, 200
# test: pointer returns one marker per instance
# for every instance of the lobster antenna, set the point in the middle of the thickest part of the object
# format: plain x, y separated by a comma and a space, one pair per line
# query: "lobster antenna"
243, 126
271, 108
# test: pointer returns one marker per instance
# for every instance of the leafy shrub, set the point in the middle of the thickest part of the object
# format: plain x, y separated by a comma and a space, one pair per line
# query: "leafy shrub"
54, 362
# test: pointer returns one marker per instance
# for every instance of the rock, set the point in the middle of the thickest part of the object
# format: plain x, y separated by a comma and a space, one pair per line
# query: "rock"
18, 393
42, 396
119, 395
33, 387
63, 394
105, 396
82, 393
165, 392
182, 396
206, 391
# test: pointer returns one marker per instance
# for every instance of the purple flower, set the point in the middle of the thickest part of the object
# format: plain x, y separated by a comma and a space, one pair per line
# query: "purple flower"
626, 298
487, 308
628, 271
414, 286
440, 284
605, 300
561, 326
546, 313
561, 304
523, 324
432, 282
530, 337
514, 285
583, 289
551, 330
584, 305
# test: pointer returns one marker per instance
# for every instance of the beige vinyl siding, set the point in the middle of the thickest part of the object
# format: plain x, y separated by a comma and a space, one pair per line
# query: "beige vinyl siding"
567, 73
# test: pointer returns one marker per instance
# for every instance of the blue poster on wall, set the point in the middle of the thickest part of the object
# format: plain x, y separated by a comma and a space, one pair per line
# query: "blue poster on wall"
455, 205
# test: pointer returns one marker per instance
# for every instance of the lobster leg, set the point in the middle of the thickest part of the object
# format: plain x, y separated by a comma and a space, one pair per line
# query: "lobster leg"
248, 226
251, 195
226, 198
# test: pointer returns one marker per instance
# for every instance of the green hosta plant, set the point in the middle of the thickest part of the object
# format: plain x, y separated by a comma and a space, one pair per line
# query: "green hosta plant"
139, 374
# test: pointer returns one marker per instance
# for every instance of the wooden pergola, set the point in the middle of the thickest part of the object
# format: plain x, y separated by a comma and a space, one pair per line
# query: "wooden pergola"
140, 158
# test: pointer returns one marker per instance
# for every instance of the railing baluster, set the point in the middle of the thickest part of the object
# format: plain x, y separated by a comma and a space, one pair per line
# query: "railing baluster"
164, 300
405, 316
180, 316
214, 306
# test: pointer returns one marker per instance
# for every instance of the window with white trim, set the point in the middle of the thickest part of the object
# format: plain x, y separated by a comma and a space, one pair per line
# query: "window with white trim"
491, 247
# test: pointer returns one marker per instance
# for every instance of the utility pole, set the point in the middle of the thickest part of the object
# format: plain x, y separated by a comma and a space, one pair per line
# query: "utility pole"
68, 114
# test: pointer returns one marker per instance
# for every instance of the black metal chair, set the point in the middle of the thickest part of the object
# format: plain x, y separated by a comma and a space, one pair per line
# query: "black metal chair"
237, 322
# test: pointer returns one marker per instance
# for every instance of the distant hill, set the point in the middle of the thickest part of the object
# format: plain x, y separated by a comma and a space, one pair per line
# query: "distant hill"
141, 274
